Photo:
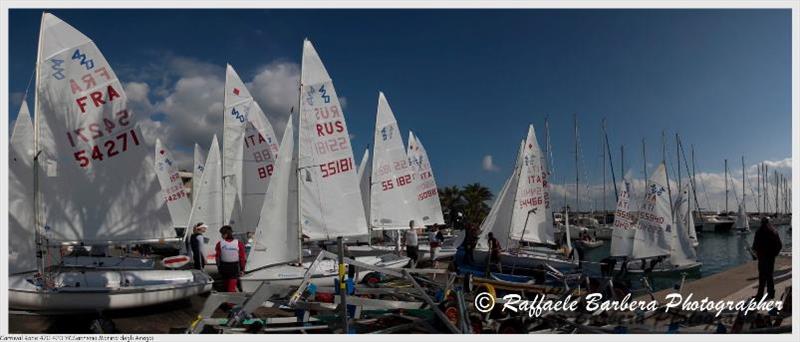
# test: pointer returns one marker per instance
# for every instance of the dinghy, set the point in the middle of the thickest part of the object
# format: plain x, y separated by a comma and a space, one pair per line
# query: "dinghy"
92, 183
521, 216
314, 193
660, 235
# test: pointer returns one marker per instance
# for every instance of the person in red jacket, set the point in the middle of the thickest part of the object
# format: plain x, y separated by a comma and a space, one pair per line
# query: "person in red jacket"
231, 258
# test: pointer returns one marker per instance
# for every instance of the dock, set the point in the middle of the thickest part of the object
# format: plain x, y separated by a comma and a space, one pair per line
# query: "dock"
737, 283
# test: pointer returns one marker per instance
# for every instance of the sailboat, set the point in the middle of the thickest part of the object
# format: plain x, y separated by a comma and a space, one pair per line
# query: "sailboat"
660, 235
316, 195
742, 224
172, 189
624, 227
199, 162
92, 183
522, 216
402, 188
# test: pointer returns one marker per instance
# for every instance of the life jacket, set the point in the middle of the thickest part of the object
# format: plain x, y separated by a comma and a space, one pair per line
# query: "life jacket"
229, 251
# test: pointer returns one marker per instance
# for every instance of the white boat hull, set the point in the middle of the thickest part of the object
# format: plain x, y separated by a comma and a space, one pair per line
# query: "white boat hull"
325, 274
106, 290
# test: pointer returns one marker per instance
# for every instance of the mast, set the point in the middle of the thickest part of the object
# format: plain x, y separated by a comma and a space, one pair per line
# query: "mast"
726, 186
621, 161
678, 157
758, 189
603, 153
40, 236
666, 171
744, 205
297, 150
776, 192
577, 179
644, 163
611, 163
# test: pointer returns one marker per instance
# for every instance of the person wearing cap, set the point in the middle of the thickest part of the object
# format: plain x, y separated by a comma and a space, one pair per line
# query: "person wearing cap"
766, 245
196, 243
231, 258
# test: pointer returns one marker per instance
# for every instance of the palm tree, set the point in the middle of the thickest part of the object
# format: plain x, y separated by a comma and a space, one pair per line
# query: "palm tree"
449, 198
476, 196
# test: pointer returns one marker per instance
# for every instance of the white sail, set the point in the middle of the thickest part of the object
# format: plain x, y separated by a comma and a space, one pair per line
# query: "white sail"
427, 193
238, 103
624, 223
260, 148
197, 170
96, 177
364, 176
532, 220
498, 220
683, 252
654, 231
172, 189
21, 234
276, 235
330, 199
207, 205
742, 223
393, 195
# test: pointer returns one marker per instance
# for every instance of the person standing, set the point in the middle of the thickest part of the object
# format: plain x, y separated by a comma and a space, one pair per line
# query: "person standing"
196, 243
412, 244
766, 245
469, 244
494, 253
231, 258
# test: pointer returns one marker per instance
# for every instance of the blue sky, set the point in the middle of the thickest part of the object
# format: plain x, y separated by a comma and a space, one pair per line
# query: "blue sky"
468, 82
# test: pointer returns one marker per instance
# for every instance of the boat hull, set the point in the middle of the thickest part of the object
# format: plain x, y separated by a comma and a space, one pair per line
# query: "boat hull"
325, 275
662, 269
106, 290
528, 259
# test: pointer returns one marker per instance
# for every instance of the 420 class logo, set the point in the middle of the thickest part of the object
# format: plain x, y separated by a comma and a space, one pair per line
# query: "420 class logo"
656, 189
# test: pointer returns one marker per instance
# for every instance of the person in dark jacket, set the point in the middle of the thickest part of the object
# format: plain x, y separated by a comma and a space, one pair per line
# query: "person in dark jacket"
196, 243
766, 245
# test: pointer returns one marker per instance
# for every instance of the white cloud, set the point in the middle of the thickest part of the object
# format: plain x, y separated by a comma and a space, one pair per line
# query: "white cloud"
275, 89
710, 189
488, 164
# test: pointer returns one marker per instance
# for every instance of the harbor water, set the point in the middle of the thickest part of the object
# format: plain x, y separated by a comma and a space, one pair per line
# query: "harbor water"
718, 251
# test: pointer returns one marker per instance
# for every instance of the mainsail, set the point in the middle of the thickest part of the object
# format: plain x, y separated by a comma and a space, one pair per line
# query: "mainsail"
654, 232
22, 256
624, 223
207, 204
260, 149
683, 252
364, 176
330, 200
238, 103
393, 192
96, 180
276, 235
498, 220
532, 220
172, 189
197, 170
427, 192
